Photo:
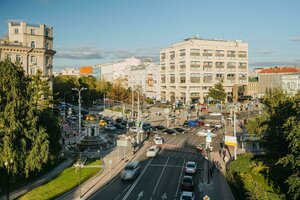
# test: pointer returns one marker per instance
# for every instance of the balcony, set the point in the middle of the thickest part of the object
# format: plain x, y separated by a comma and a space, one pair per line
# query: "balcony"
207, 54
207, 80
231, 55
219, 55
195, 54
242, 56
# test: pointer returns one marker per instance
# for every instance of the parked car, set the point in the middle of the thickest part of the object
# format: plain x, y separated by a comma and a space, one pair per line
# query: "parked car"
134, 129
110, 127
187, 183
159, 127
185, 124
187, 196
131, 170
147, 127
102, 123
169, 131
158, 140
207, 124
190, 167
153, 151
119, 126
179, 130
119, 120
218, 125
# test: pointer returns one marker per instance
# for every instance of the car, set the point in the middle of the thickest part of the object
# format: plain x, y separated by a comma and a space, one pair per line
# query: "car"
218, 125
185, 124
134, 129
206, 124
102, 123
172, 118
169, 131
187, 183
158, 140
159, 127
147, 127
179, 130
119, 120
187, 196
131, 170
110, 127
190, 167
119, 126
153, 151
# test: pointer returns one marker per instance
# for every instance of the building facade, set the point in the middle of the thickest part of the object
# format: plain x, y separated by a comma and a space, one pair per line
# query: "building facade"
189, 68
291, 83
69, 72
252, 87
30, 45
270, 79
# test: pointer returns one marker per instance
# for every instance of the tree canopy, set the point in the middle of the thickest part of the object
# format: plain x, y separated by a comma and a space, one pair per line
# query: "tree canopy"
279, 128
23, 138
217, 92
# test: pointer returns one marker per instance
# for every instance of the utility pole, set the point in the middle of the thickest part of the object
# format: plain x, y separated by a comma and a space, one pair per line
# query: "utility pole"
104, 101
132, 103
234, 130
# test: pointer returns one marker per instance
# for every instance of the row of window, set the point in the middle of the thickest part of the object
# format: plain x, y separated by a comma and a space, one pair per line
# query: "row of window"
194, 65
206, 52
33, 59
33, 45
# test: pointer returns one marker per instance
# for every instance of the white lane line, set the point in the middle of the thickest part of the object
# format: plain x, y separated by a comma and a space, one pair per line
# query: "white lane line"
180, 178
160, 176
160, 165
137, 180
117, 197
126, 188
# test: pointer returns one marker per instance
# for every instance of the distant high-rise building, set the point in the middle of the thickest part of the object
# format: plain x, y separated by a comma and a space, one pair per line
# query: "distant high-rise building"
189, 68
30, 45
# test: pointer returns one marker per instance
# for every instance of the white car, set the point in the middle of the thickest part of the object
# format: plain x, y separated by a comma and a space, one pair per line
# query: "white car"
218, 125
134, 129
190, 167
158, 140
187, 196
207, 124
153, 151
110, 127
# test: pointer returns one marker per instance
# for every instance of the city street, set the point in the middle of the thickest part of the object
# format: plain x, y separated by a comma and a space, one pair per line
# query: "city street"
161, 176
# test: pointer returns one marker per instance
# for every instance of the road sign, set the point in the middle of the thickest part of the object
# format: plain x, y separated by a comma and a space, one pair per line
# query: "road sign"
230, 140
206, 197
122, 143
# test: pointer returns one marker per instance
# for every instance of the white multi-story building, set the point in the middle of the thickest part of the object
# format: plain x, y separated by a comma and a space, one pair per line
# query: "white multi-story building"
70, 72
31, 45
291, 83
189, 68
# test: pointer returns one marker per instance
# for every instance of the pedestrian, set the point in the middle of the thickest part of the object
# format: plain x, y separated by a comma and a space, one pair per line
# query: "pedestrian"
63, 141
220, 152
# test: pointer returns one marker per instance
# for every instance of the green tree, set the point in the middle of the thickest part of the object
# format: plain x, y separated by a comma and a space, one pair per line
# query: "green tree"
217, 92
22, 139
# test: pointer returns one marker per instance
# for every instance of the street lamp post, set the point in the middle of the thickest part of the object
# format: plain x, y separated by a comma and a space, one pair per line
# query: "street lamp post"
8, 165
79, 107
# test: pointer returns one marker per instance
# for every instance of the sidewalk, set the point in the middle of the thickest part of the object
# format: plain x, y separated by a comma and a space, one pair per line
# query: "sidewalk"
40, 181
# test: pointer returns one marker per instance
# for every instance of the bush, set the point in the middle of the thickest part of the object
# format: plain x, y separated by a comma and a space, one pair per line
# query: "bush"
248, 179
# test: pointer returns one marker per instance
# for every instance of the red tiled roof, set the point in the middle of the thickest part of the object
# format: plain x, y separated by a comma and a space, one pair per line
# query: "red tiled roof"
280, 70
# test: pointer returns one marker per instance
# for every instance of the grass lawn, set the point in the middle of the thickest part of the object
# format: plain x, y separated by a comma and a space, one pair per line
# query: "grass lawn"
63, 182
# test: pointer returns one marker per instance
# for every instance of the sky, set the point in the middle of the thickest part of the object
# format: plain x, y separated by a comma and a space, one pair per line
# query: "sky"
88, 32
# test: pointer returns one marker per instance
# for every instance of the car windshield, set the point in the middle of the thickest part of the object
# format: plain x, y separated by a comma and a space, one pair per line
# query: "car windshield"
129, 167
152, 149
187, 180
190, 165
186, 197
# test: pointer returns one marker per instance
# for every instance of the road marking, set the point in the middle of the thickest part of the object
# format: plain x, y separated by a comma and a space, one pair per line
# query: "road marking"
141, 194
180, 178
160, 165
117, 197
164, 196
137, 180
160, 176
126, 188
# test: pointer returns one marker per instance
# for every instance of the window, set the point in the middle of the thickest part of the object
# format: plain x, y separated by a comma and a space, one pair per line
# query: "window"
195, 65
207, 52
33, 60
172, 66
32, 44
163, 78
182, 78
47, 45
172, 78
182, 65
19, 58
16, 31
32, 31
231, 54
162, 57
195, 78
32, 71
182, 52
163, 67
172, 55
220, 53
195, 52
8, 56
47, 60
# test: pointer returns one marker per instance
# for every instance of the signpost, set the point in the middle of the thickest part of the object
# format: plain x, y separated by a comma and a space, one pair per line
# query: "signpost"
230, 140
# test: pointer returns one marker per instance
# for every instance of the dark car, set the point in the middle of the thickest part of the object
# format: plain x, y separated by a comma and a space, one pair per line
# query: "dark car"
147, 127
187, 183
169, 131
179, 130
119, 126
185, 124
159, 127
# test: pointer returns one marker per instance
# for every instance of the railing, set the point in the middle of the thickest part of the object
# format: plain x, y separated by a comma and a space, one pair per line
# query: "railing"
207, 54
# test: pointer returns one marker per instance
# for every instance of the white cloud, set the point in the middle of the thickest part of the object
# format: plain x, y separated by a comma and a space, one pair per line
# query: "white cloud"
295, 39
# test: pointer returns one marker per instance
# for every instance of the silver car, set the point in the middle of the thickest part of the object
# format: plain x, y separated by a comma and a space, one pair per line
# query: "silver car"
131, 170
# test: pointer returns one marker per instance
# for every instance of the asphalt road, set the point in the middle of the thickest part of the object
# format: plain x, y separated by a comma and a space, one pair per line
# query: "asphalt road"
161, 176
